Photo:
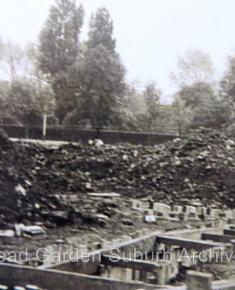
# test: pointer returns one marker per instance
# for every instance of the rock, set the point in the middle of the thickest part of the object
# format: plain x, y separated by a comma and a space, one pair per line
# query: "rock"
20, 190
149, 218
4, 139
60, 218
34, 230
7, 233
32, 287
20, 229
127, 222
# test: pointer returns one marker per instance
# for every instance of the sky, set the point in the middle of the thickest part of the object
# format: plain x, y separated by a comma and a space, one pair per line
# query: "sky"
150, 34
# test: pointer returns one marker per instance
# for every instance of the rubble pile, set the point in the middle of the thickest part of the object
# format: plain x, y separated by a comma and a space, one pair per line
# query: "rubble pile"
200, 166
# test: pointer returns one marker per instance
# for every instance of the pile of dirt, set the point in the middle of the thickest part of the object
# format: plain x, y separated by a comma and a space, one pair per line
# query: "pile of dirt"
200, 166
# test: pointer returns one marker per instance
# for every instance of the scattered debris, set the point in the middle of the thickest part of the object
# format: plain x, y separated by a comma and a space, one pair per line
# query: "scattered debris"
7, 233
19, 189
21, 229
150, 218
34, 230
199, 167
127, 222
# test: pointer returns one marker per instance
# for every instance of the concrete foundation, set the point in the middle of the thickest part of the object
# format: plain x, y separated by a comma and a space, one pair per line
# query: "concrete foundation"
58, 280
197, 280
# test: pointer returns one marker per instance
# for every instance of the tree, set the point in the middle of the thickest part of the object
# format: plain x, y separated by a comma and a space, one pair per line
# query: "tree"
59, 50
227, 93
134, 109
227, 84
22, 103
99, 77
43, 89
152, 100
205, 105
181, 114
25, 100
4, 93
197, 94
194, 67
12, 60
1, 49
25, 96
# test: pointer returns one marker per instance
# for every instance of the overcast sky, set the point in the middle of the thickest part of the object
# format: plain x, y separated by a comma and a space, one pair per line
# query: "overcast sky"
150, 33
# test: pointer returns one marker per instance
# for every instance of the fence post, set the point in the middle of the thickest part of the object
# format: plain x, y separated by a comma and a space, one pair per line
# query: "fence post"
44, 126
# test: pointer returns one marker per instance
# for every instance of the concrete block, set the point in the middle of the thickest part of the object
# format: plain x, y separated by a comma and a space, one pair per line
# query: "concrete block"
168, 271
197, 280
176, 211
162, 276
149, 218
173, 270
230, 214
135, 275
215, 212
190, 210
202, 211
149, 212
177, 208
136, 204
161, 210
146, 204
231, 221
141, 205
183, 216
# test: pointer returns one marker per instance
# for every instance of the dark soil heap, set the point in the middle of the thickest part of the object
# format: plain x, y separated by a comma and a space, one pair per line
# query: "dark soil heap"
200, 166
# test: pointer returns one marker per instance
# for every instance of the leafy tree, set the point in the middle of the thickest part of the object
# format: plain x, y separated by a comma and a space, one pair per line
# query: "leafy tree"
181, 115
152, 100
227, 94
205, 105
99, 77
42, 89
194, 67
26, 95
197, 94
135, 109
1, 49
59, 50
4, 93
22, 103
11, 60
227, 86
227, 83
